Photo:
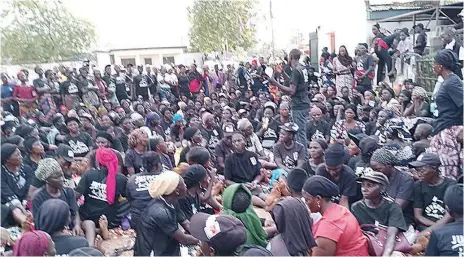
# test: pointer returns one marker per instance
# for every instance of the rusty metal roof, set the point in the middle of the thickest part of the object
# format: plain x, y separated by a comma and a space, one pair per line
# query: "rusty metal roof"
413, 5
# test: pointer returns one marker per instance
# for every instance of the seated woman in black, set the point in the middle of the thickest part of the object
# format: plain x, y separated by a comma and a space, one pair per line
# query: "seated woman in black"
15, 182
49, 171
374, 208
447, 240
34, 152
102, 189
53, 217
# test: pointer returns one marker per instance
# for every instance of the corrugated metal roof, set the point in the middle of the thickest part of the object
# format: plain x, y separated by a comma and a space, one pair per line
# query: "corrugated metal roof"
413, 5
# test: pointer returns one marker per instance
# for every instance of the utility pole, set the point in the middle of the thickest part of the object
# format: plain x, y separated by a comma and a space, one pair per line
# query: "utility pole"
272, 28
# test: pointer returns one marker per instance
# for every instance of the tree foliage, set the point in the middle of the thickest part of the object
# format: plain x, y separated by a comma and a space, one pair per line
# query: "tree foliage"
217, 23
42, 31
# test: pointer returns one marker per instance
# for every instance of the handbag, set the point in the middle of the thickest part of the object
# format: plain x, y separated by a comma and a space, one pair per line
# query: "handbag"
376, 240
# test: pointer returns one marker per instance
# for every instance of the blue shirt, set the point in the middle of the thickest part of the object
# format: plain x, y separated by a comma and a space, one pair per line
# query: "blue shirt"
7, 90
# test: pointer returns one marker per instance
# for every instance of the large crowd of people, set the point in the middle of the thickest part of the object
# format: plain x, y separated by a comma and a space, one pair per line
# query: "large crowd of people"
181, 160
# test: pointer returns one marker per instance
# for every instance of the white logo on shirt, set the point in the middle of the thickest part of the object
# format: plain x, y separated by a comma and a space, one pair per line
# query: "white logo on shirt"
78, 147
98, 191
457, 241
142, 182
435, 209
72, 88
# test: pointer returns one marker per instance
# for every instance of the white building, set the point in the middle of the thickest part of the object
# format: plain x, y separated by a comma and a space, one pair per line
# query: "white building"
156, 56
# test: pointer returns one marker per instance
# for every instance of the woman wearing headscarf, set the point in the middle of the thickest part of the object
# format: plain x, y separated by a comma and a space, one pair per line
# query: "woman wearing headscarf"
16, 177
374, 208
401, 186
420, 106
158, 228
153, 123
237, 202
49, 171
338, 232
343, 66
102, 189
339, 131
449, 123
53, 217
34, 243
294, 226
34, 152
104, 139
138, 142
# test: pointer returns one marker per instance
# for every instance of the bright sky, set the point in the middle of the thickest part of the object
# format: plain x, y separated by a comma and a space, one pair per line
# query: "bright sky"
143, 23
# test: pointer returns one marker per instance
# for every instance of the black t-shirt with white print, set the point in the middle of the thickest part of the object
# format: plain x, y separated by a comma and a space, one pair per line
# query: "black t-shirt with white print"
290, 156
212, 136
431, 198
15, 186
270, 135
93, 187
132, 159
141, 86
81, 145
137, 193
388, 214
447, 240
320, 130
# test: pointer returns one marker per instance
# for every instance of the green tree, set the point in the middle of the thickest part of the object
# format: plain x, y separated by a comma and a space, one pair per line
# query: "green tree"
36, 31
218, 24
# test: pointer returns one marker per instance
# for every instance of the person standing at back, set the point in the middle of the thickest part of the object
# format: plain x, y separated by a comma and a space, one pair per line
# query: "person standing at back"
298, 90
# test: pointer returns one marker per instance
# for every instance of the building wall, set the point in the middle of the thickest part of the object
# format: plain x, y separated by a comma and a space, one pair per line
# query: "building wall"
157, 56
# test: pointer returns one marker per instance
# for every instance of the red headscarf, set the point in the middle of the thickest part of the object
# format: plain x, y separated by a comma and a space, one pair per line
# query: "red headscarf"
107, 158
34, 243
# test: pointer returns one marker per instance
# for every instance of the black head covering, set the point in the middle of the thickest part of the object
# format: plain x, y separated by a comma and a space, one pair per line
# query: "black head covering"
319, 185
334, 155
15, 140
296, 179
53, 216
322, 143
367, 146
85, 251
24, 131
7, 151
293, 222
255, 250
105, 135
189, 133
194, 174
448, 59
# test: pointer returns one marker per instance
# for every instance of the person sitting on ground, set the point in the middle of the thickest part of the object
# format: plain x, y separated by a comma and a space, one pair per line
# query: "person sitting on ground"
338, 232
295, 181
85, 251
137, 186
159, 146
342, 175
400, 186
316, 151
445, 240
198, 190
53, 218
421, 135
158, 230
243, 166
429, 192
237, 201
194, 138
101, 198
49, 170
34, 243
374, 208
288, 153
220, 235
294, 226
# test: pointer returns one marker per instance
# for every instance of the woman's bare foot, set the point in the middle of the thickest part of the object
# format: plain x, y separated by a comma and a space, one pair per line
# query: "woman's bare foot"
103, 222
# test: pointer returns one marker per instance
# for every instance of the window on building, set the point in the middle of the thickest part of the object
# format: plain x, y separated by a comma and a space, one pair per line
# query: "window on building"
111, 59
147, 61
126, 61
168, 60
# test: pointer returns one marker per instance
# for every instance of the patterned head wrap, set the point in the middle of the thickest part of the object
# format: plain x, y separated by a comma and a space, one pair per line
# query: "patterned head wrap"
384, 156
137, 136
46, 168
420, 92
